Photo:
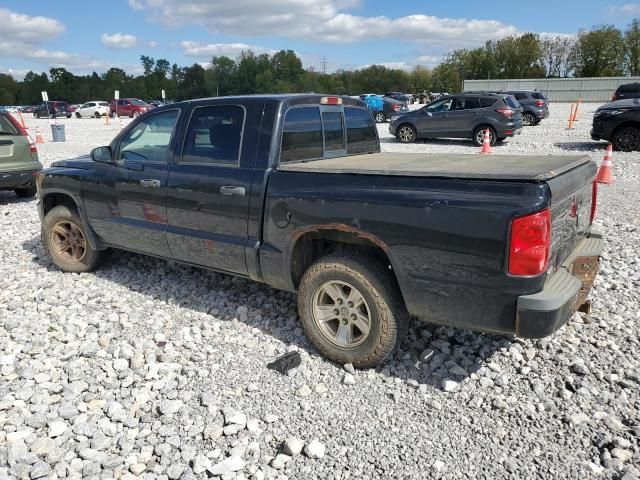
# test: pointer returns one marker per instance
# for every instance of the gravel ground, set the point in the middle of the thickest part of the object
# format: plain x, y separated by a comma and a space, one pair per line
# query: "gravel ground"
150, 369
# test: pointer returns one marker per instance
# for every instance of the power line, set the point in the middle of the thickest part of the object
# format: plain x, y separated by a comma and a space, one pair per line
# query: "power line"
324, 65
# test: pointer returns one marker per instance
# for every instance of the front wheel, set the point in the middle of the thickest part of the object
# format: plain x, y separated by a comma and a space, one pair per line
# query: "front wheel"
406, 134
351, 309
135, 114
626, 139
380, 117
64, 238
478, 136
78, 115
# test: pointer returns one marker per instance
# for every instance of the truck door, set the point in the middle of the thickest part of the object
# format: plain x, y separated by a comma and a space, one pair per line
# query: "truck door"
126, 200
209, 187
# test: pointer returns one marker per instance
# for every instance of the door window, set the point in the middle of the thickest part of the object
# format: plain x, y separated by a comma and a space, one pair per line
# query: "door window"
467, 103
440, 106
149, 140
214, 135
301, 135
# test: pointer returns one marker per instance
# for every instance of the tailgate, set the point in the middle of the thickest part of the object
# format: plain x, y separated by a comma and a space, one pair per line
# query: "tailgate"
571, 204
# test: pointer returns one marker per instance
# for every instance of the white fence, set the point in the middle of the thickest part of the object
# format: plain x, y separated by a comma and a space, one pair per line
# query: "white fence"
558, 89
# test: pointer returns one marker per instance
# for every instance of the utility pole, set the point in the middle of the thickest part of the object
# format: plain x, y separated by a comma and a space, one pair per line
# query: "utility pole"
324, 65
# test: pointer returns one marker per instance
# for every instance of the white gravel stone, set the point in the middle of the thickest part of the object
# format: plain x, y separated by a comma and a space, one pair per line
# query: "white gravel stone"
57, 428
449, 385
314, 449
228, 465
293, 446
348, 379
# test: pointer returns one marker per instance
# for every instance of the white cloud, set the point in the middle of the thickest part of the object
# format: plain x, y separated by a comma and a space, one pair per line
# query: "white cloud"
17, 74
202, 50
321, 20
118, 41
152, 44
626, 9
19, 28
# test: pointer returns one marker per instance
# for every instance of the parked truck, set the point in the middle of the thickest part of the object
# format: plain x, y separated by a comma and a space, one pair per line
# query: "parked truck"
292, 191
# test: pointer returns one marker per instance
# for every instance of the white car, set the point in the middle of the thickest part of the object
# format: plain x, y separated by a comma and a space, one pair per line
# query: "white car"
94, 108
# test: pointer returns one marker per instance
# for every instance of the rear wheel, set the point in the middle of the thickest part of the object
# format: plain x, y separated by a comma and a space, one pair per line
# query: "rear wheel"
135, 114
26, 192
78, 115
478, 135
36, 114
351, 309
380, 117
406, 134
65, 239
97, 114
626, 139
528, 119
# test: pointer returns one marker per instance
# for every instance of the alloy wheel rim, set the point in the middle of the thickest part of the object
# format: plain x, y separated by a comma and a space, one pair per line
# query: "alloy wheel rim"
480, 136
627, 141
406, 134
379, 117
528, 119
68, 241
342, 314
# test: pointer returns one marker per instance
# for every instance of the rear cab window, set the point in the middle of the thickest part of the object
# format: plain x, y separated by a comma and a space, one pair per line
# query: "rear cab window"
539, 96
311, 133
629, 88
487, 102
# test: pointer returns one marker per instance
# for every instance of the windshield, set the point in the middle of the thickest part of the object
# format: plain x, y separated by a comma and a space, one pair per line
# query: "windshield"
103, 104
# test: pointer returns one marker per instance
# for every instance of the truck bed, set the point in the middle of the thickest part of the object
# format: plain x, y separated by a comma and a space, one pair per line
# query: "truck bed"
486, 167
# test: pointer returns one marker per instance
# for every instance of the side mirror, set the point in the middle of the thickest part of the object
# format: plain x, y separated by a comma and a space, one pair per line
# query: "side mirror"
102, 155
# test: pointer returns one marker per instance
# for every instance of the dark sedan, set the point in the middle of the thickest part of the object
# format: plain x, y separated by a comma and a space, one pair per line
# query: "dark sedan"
619, 123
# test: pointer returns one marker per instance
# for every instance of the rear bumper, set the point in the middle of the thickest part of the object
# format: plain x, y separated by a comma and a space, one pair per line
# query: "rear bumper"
23, 178
543, 313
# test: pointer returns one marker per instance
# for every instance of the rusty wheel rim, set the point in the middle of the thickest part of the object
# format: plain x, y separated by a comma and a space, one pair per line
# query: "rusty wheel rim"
68, 242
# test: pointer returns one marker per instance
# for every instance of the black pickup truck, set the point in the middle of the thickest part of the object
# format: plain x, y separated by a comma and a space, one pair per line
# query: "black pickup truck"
292, 190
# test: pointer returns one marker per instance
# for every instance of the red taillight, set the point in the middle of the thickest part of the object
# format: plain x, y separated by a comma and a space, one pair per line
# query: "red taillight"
529, 244
507, 112
331, 101
396, 108
594, 201
540, 103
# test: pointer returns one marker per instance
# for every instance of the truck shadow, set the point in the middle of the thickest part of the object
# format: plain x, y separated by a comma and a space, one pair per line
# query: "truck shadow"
9, 198
428, 355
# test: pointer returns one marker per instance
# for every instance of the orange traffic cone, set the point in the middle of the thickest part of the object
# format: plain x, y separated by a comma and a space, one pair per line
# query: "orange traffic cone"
38, 136
486, 143
605, 174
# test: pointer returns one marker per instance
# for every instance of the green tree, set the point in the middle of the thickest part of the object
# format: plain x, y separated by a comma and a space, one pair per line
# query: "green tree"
600, 52
632, 47
8, 90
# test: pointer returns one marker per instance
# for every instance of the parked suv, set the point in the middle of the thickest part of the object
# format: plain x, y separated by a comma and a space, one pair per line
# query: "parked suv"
535, 105
460, 116
53, 109
129, 107
630, 90
18, 158
619, 123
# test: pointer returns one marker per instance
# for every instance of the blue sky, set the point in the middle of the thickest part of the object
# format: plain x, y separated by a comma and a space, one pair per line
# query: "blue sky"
92, 35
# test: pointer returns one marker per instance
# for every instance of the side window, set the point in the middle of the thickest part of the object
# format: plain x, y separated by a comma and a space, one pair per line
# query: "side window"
441, 106
149, 140
467, 103
333, 124
361, 131
521, 96
214, 135
301, 135
486, 102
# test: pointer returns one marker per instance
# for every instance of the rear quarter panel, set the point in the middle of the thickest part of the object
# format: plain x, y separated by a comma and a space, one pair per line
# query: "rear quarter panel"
446, 239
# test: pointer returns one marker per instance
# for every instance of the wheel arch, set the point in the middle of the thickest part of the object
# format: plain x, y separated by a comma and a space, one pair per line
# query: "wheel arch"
312, 244
52, 199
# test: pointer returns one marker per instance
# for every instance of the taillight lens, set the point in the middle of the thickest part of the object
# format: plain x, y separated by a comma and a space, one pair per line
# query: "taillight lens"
530, 243
594, 201
540, 103
507, 112
396, 108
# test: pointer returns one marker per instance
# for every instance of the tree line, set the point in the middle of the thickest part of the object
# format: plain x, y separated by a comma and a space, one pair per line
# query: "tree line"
603, 51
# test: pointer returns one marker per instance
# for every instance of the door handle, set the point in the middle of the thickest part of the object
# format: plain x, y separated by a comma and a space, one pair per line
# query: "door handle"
150, 183
230, 191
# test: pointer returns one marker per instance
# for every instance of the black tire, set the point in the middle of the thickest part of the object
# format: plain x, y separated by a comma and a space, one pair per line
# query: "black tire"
26, 192
626, 139
406, 133
380, 117
529, 119
78, 115
388, 317
97, 115
63, 215
478, 135
68, 115
52, 115
37, 115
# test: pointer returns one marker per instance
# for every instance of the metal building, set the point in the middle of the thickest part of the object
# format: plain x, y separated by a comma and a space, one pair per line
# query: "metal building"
558, 89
